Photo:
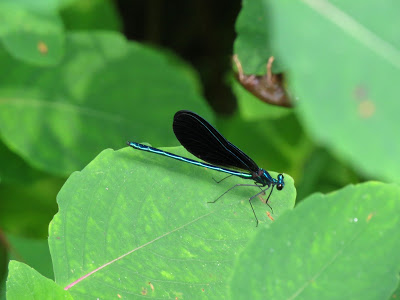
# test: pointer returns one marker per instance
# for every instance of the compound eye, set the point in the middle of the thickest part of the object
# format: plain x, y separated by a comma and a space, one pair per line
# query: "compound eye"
279, 186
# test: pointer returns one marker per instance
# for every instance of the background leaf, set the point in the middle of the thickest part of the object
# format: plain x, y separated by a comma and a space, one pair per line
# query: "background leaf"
341, 58
33, 252
328, 247
27, 208
25, 283
157, 208
91, 15
32, 33
41, 5
14, 169
104, 104
253, 45
315, 176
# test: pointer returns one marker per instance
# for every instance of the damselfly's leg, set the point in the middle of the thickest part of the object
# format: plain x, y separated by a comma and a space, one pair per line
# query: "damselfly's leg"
263, 192
218, 181
236, 185
251, 205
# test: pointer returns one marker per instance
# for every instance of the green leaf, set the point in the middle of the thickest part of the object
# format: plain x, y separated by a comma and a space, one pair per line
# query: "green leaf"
396, 293
31, 251
315, 178
342, 58
252, 44
3, 289
27, 208
25, 283
41, 5
13, 169
341, 245
91, 15
30, 34
141, 224
3, 267
104, 92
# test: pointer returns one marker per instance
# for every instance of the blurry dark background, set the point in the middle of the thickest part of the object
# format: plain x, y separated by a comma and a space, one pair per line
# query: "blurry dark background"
201, 32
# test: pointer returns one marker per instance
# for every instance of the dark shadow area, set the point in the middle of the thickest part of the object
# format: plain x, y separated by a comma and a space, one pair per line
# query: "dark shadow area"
201, 32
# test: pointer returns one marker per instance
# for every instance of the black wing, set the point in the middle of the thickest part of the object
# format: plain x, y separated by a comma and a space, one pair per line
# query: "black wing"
202, 140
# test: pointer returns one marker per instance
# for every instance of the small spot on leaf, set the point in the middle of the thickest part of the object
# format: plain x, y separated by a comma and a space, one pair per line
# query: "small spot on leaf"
360, 93
42, 47
370, 217
366, 107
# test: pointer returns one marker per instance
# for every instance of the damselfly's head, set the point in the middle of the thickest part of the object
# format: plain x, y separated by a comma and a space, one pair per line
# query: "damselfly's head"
280, 183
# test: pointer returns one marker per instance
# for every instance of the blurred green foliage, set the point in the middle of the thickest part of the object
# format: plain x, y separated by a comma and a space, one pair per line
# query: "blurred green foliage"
78, 77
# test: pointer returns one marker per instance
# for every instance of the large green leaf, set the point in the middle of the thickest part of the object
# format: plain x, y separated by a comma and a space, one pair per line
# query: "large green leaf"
23, 282
32, 33
105, 91
135, 223
344, 245
343, 58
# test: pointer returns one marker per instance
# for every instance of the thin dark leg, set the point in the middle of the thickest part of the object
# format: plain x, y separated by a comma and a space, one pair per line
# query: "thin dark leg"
255, 216
251, 205
266, 202
236, 185
222, 178
218, 181
262, 192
